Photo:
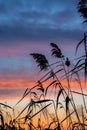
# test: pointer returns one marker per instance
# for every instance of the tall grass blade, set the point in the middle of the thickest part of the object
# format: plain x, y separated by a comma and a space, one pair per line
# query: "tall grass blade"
85, 67
67, 117
79, 93
42, 101
2, 121
79, 44
6, 105
41, 88
59, 93
40, 110
67, 100
22, 111
25, 92
82, 117
49, 86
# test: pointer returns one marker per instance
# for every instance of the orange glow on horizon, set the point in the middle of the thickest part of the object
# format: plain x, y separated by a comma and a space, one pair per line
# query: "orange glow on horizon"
22, 84
28, 83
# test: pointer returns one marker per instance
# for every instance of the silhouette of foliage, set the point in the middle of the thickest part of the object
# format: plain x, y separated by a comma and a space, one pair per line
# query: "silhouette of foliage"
67, 62
56, 50
41, 60
82, 8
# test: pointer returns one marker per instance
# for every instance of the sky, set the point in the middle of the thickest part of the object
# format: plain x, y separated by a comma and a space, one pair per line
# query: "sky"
28, 26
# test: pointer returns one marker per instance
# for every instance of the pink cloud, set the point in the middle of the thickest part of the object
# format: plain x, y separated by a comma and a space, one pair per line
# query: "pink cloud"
20, 48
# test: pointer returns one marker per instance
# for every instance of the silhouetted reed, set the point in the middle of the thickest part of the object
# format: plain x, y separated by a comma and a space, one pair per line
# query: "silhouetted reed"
39, 104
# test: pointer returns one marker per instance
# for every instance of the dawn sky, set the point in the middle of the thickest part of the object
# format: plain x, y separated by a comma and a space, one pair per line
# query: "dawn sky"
29, 26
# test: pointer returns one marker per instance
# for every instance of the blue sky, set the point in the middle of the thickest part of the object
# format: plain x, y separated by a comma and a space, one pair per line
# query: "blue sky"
29, 26
39, 20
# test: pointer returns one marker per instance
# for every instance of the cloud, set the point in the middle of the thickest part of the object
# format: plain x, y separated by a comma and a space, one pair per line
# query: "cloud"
6, 83
14, 88
39, 32
39, 20
27, 26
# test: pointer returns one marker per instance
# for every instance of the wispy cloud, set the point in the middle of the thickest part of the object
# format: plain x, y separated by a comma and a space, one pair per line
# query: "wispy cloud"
28, 26
39, 20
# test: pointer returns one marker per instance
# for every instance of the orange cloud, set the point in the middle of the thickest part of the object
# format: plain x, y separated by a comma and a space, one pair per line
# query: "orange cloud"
13, 83
13, 88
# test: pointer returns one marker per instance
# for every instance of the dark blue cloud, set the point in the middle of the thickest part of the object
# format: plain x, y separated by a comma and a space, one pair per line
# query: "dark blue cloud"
39, 20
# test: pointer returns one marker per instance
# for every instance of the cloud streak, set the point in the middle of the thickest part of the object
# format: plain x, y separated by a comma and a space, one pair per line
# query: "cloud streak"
28, 26
39, 20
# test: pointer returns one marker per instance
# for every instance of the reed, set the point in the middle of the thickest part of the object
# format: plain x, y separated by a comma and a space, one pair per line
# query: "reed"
62, 101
